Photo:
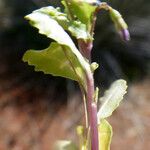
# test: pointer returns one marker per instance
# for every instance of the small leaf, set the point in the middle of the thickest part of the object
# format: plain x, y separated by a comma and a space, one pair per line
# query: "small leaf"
82, 9
65, 145
78, 30
94, 66
112, 98
105, 135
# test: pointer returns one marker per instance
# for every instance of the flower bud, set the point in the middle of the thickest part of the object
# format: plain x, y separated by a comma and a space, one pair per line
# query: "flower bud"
120, 24
124, 34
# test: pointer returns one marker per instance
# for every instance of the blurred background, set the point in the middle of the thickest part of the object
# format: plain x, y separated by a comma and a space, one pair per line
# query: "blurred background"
37, 109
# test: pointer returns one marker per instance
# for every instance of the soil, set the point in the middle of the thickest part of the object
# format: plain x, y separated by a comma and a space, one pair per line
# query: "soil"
29, 121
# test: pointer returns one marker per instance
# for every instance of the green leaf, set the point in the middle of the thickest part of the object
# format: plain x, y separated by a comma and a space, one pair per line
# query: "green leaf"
49, 27
94, 66
83, 142
105, 135
76, 28
72, 58
53, 61
56, 14
65, 145
112, 98
82, 9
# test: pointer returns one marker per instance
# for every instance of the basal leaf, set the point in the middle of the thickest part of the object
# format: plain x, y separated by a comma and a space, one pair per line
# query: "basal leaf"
112, 98
65, 145
76, 28
105, 135
73, 58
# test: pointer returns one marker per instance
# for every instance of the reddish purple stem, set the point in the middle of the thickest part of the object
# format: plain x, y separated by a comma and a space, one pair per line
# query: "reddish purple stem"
94, 130
92, 111
85, 48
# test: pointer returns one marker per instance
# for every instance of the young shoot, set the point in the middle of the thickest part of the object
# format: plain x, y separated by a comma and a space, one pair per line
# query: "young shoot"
64, 58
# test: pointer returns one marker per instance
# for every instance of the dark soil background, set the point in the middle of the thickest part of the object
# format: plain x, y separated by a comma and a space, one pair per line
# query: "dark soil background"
37, 109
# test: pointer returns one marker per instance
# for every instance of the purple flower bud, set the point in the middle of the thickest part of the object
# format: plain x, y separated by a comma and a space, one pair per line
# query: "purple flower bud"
124, 34
120, 24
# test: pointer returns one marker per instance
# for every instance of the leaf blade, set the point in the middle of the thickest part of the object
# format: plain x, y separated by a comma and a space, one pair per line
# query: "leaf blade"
49, 27
105, 135
111, 99
76, 28
65, 145
81, 9
53, 61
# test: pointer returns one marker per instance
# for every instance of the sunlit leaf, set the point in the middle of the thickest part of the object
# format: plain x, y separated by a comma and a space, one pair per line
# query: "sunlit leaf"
112, 98
105, 135
49, 27
82, 9
76, 28
94, 66
56, 14
72, 57
65, 145
53, 61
